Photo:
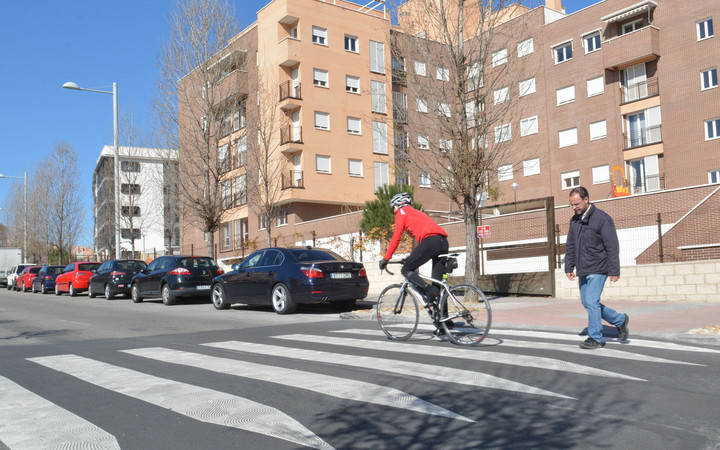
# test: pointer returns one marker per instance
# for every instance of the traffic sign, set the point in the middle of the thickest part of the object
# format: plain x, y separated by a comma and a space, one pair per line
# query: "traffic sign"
483, 231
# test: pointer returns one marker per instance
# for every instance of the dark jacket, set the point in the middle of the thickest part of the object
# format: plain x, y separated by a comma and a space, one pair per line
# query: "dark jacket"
592, 245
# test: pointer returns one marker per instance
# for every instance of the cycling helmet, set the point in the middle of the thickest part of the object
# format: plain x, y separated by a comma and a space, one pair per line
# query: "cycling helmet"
400, 200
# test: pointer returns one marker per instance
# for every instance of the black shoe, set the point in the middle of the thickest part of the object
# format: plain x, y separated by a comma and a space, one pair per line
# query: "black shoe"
623, 331
591, 344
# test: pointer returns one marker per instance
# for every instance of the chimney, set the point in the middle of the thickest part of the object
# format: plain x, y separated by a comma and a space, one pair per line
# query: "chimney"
554, 4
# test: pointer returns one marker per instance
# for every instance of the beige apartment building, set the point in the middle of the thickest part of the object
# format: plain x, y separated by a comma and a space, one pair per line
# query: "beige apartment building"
621, 97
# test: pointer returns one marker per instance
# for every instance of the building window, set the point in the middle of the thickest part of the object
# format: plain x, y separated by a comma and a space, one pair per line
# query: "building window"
354, 125
712, 129
714, 176
420, 68
130, 188
563, 52
598, 130
570, 179
565, 95
421, 105
281, 217
377, 94
399, 100
351, 43
319, 35
423, 142
240, 190
262, 222
241, 232
644, 128
601, 174
592, 42
224, 157
320, 77
380, 170
526, 87
505, 172
595, 86
499, 57
708, 79
379, 135
322, 164
705, 29
126, 211
377, 57
567, 137
445, 145
442, 74
444, 109
531, 167
355, 168
424, 179
352, 84
226, 235
127, 233
529, 126
525, 47
503, 133
241, 145
322, 120
501, 95
226, 194
632, 26
643, 174
130, 166
474, 77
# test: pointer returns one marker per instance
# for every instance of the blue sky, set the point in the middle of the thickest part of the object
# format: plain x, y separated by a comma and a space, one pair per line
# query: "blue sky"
45, 43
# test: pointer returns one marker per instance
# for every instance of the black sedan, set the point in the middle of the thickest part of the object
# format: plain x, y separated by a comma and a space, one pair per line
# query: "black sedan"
286, 277
45, 280
170, 277
113, 277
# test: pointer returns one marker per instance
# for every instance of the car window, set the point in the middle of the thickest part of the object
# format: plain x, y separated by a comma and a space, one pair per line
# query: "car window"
88, 267
198, 262
252, 260
130, 266
57, 270
271, 258
35, 270
69, 268
302, 255
153, 265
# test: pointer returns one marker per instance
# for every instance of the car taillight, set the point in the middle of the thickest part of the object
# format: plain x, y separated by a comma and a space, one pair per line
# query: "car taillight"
117, 273
220, 272
362, 273
179, 271
48, 278
312, 273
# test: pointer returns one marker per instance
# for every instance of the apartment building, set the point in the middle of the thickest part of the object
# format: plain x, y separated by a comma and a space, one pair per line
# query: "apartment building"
149, 213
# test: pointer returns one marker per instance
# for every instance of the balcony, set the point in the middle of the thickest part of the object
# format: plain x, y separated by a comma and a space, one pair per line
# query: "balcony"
230, 87
293, 179
291, 134
399, 77
399, 115
631, 48
643, 136
290, 95
290, 51
639, 91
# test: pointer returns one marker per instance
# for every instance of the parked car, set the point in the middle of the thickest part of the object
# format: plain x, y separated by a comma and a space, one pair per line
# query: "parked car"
15, 271
45, 280
286, 277
25, 279
113, 277
3, 277
174, 276
75, 277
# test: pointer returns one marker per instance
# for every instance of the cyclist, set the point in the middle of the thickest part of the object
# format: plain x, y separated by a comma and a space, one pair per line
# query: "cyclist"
432, 241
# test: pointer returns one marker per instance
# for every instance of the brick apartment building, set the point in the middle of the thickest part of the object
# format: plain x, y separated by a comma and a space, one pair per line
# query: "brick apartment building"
619, 96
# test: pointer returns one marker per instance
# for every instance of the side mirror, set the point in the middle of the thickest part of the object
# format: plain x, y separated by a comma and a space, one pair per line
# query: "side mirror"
235, 266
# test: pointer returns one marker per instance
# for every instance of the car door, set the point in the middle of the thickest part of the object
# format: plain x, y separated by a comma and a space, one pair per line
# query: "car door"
154, 278
262, 276
98, 280
142, 279
236, 285
63, 280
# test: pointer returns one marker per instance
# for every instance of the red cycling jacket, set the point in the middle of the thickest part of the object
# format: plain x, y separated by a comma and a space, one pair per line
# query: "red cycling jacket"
417, 223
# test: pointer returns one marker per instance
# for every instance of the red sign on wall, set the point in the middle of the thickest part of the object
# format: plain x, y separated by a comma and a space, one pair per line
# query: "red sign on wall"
483, 231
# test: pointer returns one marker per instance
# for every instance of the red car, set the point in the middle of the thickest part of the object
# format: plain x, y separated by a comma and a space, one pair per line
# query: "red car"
25, 279
75, 277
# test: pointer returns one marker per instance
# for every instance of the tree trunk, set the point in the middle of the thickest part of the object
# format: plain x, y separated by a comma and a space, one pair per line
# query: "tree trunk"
210, 239
472, 260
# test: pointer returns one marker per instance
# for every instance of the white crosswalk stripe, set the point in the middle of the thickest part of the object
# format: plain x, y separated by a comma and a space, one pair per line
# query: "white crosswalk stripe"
605, 353
324, 384
200, 403
28, 421
431, 372
447, 352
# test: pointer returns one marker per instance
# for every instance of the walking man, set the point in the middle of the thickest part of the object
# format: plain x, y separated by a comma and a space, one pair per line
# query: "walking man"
591, 255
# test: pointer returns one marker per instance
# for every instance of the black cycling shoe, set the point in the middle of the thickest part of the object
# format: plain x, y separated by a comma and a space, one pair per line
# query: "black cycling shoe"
591, 344
623, 331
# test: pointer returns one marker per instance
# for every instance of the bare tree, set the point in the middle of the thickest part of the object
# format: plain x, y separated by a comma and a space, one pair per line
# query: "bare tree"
459, 78
191, 103
64, 208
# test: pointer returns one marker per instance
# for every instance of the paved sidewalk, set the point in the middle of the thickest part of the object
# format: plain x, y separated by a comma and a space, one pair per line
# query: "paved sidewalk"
679, 321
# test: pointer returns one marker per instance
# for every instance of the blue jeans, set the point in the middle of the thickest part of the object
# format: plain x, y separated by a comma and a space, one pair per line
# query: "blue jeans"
591, 287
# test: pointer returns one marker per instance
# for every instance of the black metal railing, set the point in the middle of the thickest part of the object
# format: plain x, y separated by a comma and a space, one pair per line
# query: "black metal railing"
641, 90
399, 77
643, 136
290, 89
291, 134
293, 179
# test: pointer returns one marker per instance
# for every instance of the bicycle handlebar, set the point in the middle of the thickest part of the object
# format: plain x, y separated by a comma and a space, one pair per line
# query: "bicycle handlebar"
402, 261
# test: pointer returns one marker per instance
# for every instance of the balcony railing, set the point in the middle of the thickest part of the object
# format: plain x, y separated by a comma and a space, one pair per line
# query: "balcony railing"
290, 89
291, 134
399, 114
399, 77
643, 136
638, 91
648, 183
293, 179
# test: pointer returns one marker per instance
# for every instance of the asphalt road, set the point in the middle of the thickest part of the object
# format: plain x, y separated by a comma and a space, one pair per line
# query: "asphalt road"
91, 373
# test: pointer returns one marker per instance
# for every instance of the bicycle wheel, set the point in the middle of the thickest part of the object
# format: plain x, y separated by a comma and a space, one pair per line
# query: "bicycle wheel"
397, 312
469, 310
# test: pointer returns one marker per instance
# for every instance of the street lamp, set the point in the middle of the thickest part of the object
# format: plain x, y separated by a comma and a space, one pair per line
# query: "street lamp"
514, 187
114, 93
25, 207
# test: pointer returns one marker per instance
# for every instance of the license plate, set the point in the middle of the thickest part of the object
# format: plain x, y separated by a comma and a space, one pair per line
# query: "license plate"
203, 286
340, 275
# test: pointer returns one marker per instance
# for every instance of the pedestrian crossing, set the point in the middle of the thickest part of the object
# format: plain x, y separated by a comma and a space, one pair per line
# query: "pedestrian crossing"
390, 372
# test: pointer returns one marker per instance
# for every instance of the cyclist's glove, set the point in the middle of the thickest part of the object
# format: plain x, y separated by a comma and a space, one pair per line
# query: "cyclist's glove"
383, 264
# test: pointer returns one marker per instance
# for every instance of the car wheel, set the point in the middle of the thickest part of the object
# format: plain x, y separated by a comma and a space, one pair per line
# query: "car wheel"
43, 289
282, 302
168, 297
218, 297
108, 292
135, 293
34, 291
71, 290
91, 294
57, 290
24, 289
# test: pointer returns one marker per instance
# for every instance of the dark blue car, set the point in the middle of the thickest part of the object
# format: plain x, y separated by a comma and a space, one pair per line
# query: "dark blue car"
286, 277
113, 277
45, 280
174, 276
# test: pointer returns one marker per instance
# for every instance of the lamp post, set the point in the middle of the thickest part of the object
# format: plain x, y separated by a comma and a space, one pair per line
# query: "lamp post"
514, 187
114, 93
25, 208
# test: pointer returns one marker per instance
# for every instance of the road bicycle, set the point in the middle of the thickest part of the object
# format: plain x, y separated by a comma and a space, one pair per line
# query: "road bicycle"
467, 316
